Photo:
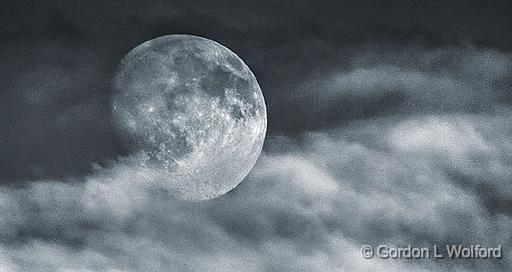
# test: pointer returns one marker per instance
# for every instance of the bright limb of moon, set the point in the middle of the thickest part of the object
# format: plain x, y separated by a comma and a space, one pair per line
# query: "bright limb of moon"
193, 111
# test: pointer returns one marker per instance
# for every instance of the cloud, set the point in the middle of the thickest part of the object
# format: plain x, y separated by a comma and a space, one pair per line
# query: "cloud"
307, 209
375, 81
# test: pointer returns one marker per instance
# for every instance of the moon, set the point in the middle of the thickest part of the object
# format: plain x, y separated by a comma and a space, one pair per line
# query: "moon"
191, 109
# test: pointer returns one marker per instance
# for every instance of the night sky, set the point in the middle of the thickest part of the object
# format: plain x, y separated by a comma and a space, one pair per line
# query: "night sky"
389, 122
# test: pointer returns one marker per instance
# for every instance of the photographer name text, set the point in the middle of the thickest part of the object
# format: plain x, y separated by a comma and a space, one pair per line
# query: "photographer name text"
434, 252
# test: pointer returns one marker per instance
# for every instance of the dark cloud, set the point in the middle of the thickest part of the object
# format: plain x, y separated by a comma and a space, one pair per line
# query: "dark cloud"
379, 81
56, 106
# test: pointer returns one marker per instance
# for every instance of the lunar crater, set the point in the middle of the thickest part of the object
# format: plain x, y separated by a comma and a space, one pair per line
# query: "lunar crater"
193, 111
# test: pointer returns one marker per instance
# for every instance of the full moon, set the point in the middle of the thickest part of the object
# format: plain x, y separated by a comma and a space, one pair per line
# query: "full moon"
191, 109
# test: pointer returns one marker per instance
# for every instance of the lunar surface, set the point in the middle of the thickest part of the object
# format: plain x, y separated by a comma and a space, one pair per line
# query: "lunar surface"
193, 111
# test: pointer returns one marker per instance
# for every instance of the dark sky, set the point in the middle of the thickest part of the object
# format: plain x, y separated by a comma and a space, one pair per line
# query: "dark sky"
389, 122
58, 57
